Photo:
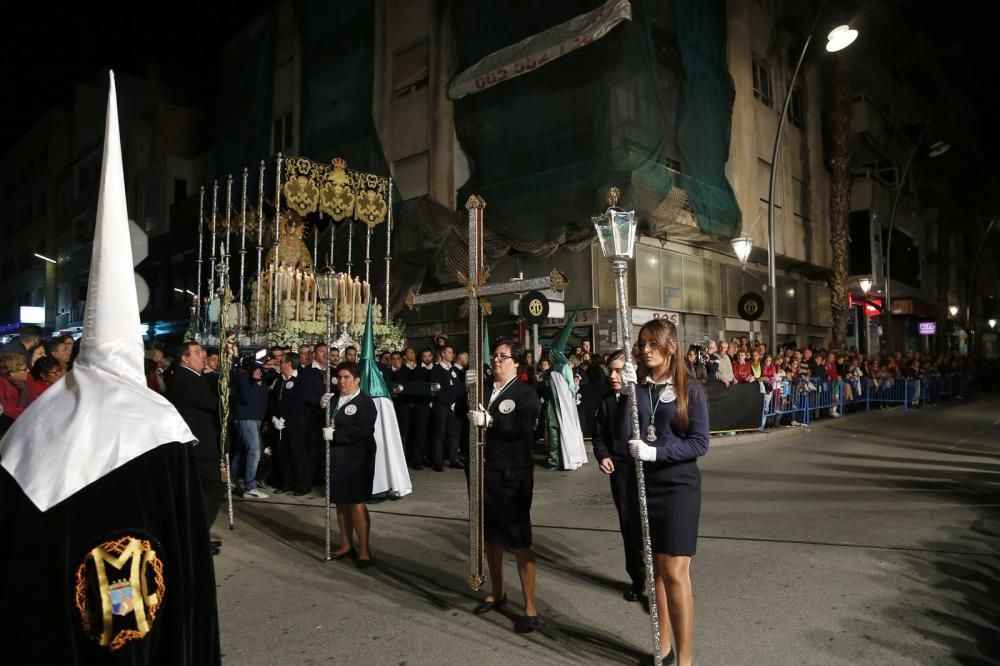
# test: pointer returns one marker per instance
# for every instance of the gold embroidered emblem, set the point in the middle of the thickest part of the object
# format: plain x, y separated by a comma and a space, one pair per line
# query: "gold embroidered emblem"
122, 590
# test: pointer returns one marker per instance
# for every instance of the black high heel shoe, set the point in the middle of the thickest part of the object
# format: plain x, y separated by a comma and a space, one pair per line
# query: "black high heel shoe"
347, 553
486, 605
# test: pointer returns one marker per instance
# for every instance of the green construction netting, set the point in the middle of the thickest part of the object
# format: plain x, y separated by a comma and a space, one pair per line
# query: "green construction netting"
546, 145
704, 117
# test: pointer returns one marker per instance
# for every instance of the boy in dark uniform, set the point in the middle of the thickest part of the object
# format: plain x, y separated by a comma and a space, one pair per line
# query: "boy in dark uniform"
509, 419
612, 431
445, 422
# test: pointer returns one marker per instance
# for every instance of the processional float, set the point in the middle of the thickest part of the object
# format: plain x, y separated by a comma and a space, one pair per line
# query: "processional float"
292, 298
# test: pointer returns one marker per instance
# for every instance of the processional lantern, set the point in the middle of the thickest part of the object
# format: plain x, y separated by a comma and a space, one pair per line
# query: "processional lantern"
616, 234
616, 230
326, 285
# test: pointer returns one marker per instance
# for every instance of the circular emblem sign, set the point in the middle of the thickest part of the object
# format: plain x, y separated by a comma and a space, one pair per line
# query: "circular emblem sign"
534, 307
750, 306
506, 407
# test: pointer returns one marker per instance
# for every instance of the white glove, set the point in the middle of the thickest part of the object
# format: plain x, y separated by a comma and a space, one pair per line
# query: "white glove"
327, 434
480, 417
279, 424
267, 450
642, 451
628, 374
324, 402
451, 406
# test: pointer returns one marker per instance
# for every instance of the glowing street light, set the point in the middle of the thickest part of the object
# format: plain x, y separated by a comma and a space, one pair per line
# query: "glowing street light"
742, 247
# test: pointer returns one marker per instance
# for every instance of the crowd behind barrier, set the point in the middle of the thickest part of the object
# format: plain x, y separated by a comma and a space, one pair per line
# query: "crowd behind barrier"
802, 401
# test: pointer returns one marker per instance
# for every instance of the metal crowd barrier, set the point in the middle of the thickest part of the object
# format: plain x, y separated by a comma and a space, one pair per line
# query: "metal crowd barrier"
804, 400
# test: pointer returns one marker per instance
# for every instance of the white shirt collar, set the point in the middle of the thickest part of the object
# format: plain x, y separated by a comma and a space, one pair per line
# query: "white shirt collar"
446, 366
411, 366
295, 373
191, 369
344, 399
318, 366
427, 366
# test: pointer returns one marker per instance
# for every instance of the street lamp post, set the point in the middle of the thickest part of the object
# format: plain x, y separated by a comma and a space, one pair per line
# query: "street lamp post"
616, 233
866, 284
839, 38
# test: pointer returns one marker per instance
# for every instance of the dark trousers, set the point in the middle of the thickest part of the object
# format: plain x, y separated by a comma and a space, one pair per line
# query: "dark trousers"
293, 456
315, 420
420, 414
625, 494
446, 435
212, 488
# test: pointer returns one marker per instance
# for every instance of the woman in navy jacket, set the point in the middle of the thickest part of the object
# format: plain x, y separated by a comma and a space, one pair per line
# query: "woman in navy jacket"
673, 430
352, 461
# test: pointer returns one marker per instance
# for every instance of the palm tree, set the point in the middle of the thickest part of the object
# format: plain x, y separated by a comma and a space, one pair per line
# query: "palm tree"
840, 198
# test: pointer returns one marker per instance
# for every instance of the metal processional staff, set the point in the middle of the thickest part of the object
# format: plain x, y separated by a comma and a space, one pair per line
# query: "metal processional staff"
616, 233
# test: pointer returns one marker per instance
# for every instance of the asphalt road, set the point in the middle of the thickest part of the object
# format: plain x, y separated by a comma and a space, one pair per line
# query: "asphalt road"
871, 539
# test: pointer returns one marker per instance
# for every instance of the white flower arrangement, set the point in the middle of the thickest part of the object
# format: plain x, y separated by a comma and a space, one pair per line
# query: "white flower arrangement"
388, 337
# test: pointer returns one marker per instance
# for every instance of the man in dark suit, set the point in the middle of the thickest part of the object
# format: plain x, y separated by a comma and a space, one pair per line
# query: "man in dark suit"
312, 377
289, 399
612, 431
420, 408
445, 423
191, 394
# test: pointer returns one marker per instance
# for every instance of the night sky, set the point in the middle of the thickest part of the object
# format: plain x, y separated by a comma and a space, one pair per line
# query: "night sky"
48, 49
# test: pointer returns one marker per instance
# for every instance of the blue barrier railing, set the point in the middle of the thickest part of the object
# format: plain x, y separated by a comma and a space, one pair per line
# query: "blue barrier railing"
804, 400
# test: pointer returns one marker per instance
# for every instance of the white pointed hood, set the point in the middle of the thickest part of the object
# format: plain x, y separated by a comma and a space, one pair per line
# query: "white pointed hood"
102, 414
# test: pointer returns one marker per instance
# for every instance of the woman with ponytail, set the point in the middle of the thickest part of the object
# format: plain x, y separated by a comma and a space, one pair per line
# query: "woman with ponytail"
673, 434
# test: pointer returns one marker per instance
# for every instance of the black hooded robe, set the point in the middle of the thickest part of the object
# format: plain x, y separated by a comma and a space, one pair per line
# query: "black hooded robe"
61, 593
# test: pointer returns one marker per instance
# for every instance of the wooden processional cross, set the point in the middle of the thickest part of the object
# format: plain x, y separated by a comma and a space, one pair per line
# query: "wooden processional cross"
474, 292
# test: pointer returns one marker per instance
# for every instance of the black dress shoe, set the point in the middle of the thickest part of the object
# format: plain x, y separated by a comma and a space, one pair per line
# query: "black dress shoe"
631, 594
438, 468
215, 543
487, 605
363, 564
347, 553
528, 624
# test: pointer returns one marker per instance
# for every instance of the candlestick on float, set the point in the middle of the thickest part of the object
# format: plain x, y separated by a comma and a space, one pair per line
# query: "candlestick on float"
260, 243
277, 222
201, 229
243, 247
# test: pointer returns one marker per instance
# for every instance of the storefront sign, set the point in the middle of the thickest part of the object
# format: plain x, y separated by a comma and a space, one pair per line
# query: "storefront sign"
928, 328
641, 315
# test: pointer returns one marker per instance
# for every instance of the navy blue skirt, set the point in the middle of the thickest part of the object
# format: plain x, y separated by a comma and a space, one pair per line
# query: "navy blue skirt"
673, 497
507, 507
352, 472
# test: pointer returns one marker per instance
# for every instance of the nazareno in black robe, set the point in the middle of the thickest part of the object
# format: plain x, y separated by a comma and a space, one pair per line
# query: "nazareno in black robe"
61, 594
